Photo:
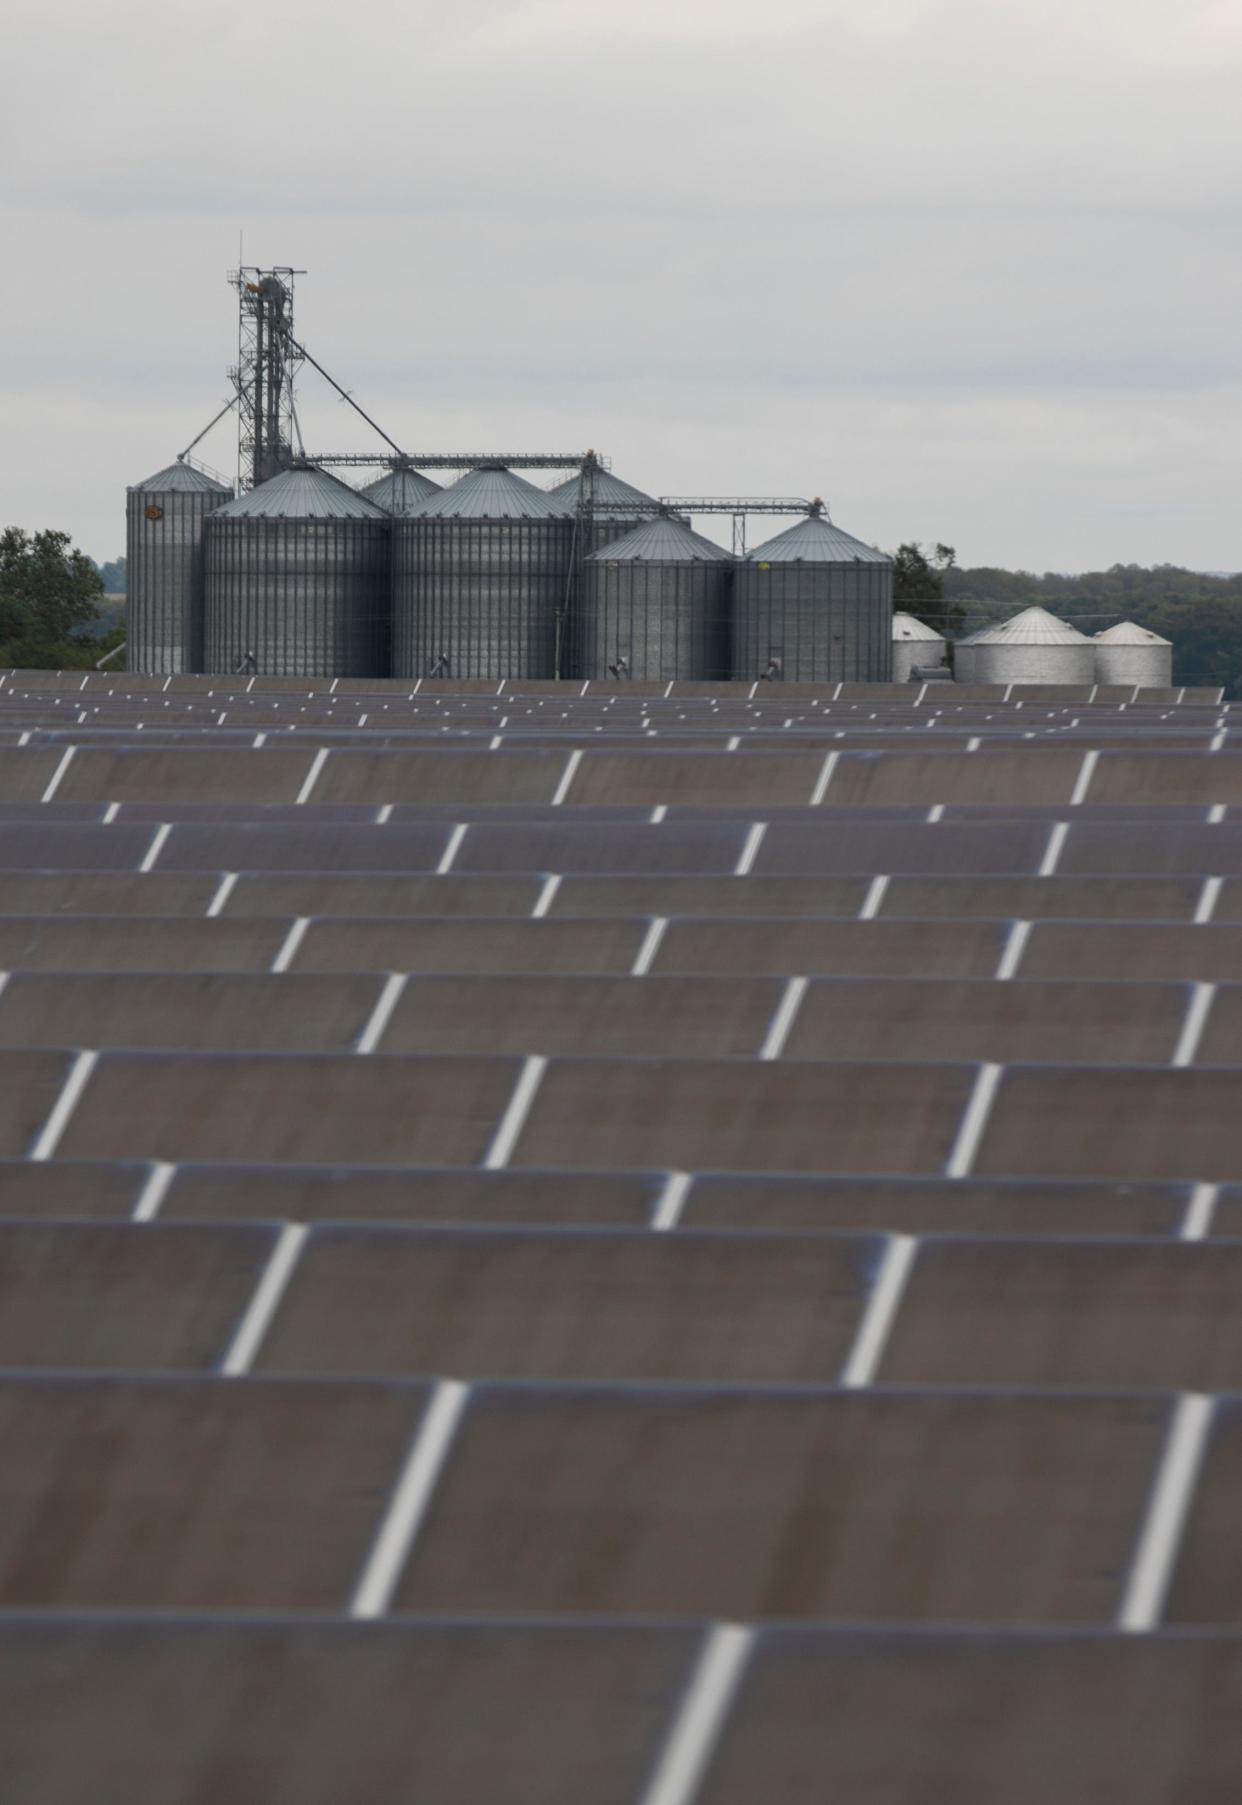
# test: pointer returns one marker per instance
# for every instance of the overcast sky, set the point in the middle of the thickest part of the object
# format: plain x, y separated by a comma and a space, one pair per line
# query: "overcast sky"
970, 269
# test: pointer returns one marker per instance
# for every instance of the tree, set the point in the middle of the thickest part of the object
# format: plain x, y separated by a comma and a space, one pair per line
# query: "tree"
54, 585
919, 582
15, 620
112, 576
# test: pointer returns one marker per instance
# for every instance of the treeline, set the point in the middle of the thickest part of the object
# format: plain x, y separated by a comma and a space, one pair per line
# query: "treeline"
1201, 614
50, 595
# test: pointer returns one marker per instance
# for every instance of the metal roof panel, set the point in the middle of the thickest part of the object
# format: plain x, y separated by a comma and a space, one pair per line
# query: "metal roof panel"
1129, 633
1033, 627
906, 627
816, 540
662, 541
398, 491
609, 489
304, 494
181, 477
491, 493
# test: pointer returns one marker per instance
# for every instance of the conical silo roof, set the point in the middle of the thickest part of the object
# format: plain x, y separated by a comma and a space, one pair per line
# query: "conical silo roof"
816, 540
182, 477
609, 491
397, 491
490, 493
1129, 633
1033, 627
662, 541
303, 493
906, 628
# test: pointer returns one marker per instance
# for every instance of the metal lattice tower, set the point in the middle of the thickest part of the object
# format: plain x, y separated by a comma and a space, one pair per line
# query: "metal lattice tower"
267, 362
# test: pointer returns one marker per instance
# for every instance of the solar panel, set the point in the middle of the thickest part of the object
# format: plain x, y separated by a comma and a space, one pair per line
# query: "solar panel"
667, 1246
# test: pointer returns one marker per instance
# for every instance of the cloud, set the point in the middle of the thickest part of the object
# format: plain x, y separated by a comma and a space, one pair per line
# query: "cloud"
922, 253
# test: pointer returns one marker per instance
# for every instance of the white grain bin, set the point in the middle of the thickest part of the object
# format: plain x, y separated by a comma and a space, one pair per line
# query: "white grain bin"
914, 643
1129, 653
964, 653
1033, 647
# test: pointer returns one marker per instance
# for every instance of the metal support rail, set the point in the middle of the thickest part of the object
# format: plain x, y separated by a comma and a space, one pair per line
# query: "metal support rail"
456, 460
733, 504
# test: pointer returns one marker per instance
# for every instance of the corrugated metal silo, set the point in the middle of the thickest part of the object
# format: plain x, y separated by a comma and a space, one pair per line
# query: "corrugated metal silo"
400, 489
164, 521
914, 644
814, 605
298, 580
1033, 647
1128, 653
657, 606
481, 578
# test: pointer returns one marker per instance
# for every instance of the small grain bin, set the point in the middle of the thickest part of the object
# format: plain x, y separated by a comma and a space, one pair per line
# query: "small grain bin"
915, 645
1128, 653
1033, 647
964, 651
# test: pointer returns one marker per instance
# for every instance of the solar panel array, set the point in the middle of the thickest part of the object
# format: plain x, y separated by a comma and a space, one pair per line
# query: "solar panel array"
642, 1245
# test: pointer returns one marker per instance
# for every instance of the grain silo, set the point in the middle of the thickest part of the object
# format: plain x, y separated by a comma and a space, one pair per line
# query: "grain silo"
297, 580
616, 506
656, 606
1033, 647
1128, 653
813, 605
164, 521
400, 489
916, 646
481, 579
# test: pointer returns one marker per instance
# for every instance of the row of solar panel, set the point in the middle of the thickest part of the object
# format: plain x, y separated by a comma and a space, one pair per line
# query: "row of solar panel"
22, 682
783, 847
617, 1114
912, 709
1052, 776
1152, 952
244, 1494
1015, 1022
770, 705
683, 1307
417, 894
913, 701
306, 1713
211, 714
220, 1192
826, 819
150, 736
